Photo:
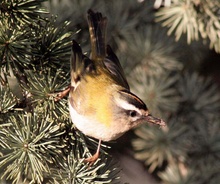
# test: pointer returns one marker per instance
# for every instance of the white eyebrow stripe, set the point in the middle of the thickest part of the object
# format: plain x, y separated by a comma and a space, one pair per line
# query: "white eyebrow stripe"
125, 105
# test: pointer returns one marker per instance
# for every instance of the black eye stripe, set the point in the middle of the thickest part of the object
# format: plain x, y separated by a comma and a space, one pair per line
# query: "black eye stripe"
133, 113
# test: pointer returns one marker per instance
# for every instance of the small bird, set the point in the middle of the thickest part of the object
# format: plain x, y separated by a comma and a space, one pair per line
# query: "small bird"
100, 102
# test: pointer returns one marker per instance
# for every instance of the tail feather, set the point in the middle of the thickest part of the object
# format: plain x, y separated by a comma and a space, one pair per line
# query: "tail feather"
97, 28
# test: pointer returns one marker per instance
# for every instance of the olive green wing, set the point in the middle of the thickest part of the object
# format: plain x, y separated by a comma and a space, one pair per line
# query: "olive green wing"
80, 65
113, 65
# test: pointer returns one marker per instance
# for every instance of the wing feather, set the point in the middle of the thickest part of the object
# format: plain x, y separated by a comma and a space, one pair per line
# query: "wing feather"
113, 65
79, 64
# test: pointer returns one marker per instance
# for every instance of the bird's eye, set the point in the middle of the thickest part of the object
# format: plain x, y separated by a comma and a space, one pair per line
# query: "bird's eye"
133, 113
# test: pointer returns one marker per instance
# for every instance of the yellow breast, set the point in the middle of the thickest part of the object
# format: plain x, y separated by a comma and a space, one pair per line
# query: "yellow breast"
99, 98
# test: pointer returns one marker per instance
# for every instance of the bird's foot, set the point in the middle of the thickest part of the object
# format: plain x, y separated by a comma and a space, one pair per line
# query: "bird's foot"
60, 95
91, 160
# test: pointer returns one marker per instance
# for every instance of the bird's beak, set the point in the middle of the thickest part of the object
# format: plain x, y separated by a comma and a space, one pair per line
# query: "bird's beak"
151, 119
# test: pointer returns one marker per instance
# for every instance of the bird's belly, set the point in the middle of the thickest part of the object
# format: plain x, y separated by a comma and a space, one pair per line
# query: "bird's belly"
95, 129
